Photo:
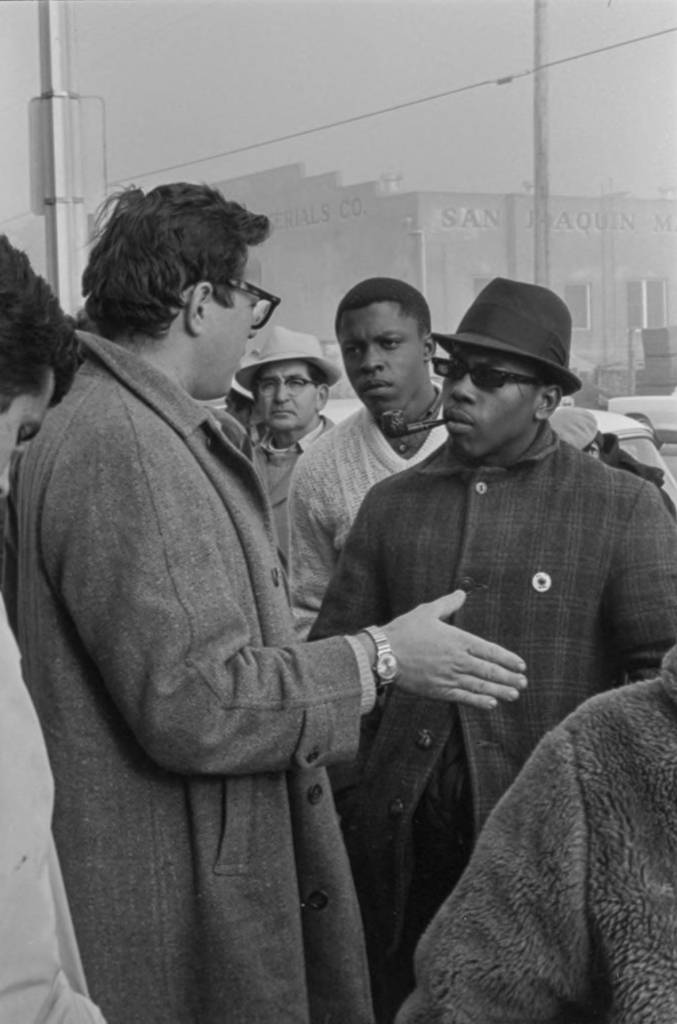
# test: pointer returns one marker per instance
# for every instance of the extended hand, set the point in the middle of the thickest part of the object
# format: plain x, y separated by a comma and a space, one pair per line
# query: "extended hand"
446, 663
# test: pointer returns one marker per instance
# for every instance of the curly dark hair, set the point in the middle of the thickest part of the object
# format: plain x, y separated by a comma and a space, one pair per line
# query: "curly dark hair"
35, 334
150, 247
386, 289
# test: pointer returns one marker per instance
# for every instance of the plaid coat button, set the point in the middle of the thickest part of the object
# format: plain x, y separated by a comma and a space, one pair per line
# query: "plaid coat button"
424, 739
541, 582
396, 808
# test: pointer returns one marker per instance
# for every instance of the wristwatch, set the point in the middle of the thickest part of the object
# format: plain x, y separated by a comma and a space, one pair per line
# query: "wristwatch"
386, 668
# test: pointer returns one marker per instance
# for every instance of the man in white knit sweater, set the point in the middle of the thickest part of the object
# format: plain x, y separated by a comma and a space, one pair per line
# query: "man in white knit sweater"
383, 327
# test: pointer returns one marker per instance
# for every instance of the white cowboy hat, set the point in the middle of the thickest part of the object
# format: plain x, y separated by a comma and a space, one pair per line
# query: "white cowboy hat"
279, 345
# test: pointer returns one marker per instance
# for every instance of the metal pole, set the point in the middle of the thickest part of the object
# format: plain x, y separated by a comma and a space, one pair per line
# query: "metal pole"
631, 360
541, 186
419, 235
65, 219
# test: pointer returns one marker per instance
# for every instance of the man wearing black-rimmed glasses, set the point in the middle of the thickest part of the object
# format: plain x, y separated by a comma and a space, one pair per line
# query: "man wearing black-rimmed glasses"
571, 564
188, 732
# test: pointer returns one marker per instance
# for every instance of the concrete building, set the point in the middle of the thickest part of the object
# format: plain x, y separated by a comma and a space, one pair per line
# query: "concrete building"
613, 257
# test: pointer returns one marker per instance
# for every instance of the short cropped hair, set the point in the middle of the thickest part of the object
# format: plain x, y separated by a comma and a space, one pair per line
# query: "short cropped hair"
150, 247
386, 289
35, 334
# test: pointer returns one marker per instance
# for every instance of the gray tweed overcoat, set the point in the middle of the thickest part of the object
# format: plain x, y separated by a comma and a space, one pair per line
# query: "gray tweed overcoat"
187, 731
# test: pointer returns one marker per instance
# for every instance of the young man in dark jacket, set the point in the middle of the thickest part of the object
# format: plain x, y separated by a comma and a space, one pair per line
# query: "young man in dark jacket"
564, 560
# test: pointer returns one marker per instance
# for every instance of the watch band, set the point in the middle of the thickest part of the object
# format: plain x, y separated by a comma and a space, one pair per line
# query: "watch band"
385, 668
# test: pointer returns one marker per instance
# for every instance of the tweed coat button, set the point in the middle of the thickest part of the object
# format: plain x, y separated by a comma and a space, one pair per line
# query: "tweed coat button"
466, 583
424, 739
314, 794
317, 900
313, 755
481, 487
396, 808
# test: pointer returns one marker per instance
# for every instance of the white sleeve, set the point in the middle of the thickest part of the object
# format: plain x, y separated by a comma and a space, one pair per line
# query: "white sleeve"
313, 553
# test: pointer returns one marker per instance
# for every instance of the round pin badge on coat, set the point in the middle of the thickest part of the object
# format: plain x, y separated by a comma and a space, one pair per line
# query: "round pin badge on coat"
541, 582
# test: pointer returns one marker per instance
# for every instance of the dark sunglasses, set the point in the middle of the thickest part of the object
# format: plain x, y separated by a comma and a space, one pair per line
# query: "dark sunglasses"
483, 376
265, 305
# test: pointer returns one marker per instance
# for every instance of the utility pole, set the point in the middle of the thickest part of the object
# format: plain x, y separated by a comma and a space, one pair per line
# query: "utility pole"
541, 175
58, 190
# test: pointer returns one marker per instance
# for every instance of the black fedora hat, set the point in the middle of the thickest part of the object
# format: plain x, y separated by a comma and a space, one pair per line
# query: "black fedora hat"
520, 319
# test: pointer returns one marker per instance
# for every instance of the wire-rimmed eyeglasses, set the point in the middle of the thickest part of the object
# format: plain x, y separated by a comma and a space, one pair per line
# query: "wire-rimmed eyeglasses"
483, 376
265, 305
294, 384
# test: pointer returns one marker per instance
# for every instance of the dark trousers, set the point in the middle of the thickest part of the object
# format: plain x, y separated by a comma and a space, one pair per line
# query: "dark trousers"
439, 861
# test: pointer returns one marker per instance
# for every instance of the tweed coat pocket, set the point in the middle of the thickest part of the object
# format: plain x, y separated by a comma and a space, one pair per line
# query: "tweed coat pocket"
234, 855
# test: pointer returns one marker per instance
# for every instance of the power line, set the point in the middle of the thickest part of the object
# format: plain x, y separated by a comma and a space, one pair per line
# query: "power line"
503, 80
17, 216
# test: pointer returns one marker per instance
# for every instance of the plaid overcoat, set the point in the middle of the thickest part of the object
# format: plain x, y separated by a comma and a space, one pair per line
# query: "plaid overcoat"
187, 730
567, 562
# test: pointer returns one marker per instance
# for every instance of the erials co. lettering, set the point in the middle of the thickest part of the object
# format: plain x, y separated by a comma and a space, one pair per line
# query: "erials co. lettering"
317, 213
301, 216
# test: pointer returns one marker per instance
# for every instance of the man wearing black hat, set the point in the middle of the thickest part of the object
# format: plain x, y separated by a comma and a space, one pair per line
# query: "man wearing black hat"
564, 560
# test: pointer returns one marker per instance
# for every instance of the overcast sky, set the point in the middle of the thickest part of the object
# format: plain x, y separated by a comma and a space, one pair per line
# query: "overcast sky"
181, 81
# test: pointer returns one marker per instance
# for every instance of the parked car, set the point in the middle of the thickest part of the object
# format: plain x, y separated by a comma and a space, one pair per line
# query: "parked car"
338, 409
659, 410
638, 439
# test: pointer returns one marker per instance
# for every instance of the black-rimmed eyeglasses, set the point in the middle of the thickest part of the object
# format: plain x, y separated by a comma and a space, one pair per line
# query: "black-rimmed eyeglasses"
265, 305
489, 378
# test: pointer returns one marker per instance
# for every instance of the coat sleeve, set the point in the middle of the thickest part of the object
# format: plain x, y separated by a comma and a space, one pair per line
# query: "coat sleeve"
170, 616
312, 545
640, 600
511, 943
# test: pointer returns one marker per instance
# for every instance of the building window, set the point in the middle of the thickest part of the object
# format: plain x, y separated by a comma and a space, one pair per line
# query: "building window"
647, 303
577, 298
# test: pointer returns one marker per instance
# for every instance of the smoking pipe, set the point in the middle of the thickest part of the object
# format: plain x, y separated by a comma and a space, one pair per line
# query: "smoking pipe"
393, 424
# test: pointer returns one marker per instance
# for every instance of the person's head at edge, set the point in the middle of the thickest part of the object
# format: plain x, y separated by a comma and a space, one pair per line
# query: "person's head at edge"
240, 404
38, 353
523, 331
170, 275
383, 327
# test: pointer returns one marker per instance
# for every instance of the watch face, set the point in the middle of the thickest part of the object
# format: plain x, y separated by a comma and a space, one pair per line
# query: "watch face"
386, 667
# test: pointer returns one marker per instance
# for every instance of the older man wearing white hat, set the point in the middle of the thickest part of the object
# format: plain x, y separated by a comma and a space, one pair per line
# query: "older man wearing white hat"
290, 378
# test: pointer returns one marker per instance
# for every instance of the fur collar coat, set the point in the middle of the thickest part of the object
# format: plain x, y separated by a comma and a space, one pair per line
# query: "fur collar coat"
567, 913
